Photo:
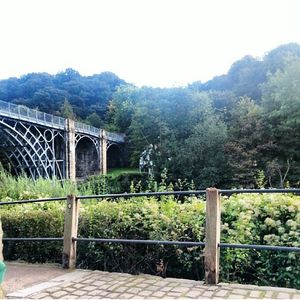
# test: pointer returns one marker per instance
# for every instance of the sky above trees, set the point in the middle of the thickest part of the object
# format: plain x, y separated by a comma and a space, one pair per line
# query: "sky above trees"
146, 42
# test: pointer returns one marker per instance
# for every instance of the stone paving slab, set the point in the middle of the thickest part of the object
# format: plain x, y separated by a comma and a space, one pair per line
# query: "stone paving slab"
86, 284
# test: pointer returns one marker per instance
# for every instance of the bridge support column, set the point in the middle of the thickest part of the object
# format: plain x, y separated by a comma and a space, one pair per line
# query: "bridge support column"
103, 152
70, 150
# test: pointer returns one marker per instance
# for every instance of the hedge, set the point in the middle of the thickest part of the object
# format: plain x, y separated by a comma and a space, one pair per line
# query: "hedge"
246, 218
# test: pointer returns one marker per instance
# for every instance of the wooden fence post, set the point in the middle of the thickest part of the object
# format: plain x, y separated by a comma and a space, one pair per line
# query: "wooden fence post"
70, 232
212, 236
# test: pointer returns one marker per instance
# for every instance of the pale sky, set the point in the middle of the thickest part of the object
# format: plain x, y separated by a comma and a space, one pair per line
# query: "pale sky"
145, 42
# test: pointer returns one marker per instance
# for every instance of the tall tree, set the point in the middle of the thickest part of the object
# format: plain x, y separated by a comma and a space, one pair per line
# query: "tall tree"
67, 111
94, 120
243, 146
203, 157
281, 110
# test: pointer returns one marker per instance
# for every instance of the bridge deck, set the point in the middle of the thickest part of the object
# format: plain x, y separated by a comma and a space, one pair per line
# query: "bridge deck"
23, 113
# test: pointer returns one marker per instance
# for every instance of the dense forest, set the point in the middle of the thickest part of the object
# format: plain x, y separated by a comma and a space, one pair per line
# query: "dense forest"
240, 129
67, 94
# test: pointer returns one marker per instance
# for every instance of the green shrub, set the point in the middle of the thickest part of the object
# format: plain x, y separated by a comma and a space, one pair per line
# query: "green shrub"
116, 184
33, 220
266, 219
141, 218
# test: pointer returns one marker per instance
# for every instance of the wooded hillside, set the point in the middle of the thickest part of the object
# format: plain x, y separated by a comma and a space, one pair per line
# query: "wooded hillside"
241, 129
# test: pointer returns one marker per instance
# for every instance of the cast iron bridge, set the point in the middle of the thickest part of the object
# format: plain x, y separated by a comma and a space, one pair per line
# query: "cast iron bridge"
44, 145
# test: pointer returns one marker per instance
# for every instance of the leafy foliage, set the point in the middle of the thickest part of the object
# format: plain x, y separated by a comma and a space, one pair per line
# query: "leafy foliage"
281, 111
49, 93
108, 184
246, 74
243, 147
268, 220
175, 122
226, 135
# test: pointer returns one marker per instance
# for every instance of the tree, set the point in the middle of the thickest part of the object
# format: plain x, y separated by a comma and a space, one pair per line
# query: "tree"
86, 94
281, 112
121, 108
276, 58
67, 111
203, 157
245, 75
49, 99
243, 149
94, 120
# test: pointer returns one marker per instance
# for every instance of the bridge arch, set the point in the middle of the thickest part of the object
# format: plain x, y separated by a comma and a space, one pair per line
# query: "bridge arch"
23, 152
86, 156
59, 147
114, 156
31, 149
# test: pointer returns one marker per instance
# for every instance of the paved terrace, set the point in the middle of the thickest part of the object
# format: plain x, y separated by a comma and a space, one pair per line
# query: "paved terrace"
48, 282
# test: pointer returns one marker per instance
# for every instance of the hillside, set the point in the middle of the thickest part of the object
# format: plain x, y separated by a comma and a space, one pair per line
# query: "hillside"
241, 129
66, 94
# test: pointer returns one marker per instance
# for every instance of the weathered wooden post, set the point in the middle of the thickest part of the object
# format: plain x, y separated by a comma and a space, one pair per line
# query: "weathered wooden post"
70, 232
212, 236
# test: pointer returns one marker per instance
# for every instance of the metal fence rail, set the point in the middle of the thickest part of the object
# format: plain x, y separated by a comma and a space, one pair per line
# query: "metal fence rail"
146, 242
33, 201
147, 194
159, 194
31, 239
259, 247
259, 191
157, 242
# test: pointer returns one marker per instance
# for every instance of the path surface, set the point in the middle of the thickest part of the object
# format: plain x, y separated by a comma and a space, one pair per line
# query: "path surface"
22, 275
86, 284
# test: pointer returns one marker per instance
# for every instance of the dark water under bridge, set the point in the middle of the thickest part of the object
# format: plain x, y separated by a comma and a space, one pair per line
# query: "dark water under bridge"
44, 145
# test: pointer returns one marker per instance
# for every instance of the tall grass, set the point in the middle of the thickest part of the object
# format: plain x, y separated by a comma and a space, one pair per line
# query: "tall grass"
23, 187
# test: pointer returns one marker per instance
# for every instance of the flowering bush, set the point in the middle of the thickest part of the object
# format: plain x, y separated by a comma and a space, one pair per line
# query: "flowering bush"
265, 219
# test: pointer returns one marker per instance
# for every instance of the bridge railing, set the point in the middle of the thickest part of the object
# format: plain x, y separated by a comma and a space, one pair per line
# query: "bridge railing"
111, 136
84, 128
27, 114
116, 137
212, 242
